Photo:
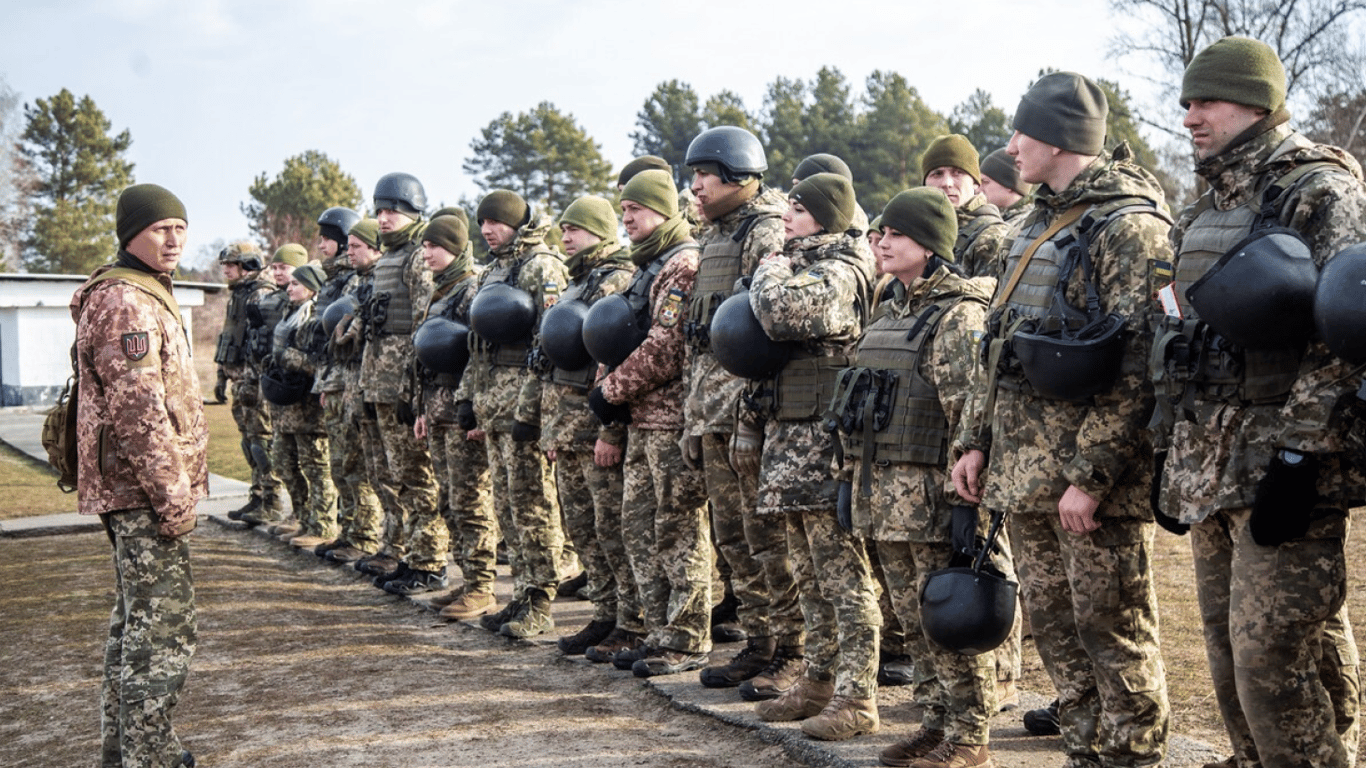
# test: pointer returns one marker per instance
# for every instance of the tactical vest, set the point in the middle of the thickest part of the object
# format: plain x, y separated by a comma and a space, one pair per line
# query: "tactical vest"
509, 355
718, 267
582, 379
232, 341
334, 288
980, 218
391, 310
804, 387
264, 314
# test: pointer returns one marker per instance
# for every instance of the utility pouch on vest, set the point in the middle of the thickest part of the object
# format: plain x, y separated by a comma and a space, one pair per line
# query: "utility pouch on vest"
805, 385
59, 434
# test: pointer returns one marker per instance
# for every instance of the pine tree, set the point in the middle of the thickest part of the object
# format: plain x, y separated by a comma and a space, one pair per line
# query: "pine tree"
542, 155
285, 209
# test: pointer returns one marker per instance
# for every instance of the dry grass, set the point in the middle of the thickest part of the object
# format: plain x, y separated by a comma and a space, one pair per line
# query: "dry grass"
30, 487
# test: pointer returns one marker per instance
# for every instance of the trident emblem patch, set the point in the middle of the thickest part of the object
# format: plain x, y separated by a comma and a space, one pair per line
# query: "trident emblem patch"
135, 345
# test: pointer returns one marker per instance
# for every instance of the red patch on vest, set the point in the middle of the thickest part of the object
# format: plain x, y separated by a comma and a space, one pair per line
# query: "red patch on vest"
135, 345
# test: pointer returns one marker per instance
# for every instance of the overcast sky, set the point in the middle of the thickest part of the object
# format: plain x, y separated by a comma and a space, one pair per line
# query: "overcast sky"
215, 92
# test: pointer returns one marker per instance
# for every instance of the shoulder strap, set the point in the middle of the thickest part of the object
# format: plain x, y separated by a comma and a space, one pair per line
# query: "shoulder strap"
144, 281
1071, 215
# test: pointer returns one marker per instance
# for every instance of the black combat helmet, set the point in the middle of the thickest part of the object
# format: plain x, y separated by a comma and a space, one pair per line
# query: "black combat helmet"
283, 387
1340, 304
332, 316
335, 224
967, 610
736, 151
613, 329
503, 314
1260, 294
442, 345
740, 344
400, 192
1072, 366
562, 335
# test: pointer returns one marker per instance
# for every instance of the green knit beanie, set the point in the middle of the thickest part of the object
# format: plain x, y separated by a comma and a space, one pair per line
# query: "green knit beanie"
594, 214
952, 151
643, 163
367, 231
822, 162
1237, 69
310, 276
999, 166
926, 216
142, 205
876, 224
448, 231
454, 210
653, 189
293, 254
1065, 110
504, 205
830, 199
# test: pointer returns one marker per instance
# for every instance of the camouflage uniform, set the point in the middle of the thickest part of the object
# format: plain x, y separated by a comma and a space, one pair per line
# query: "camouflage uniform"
142, 441
364, 528
234, 364
663, 508
909, 510
264, 313
761, 574
569, 429
504, 390
1265, 608
461, 464
1090, 597
1017, 212
414, 531
981, 230
819, 303
299, 451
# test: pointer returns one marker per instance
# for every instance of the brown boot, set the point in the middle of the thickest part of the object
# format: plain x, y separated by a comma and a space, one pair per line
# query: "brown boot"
469, 605
307, 541
905, 752
617, 640
750, 661
783, 671
1007, 696
950, 755
806, 698
843, 718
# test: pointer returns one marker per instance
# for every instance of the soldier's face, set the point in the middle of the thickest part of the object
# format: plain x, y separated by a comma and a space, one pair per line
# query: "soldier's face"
998, 195
435, 257
1213, 124
900, 256
708, 187
640, 222
575, 239
298, 291
496, 233
874, 238
327, 247
391, 220
798, 222
159, 245
280, 272
232, 271
1034, 158
361, 255
956, 184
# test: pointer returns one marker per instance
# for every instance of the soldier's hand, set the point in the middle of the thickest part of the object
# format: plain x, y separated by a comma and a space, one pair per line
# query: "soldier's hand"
220, 390
607, 413
420, 428
691, 448
605, 454
176, 526
746, 445
1078, 511
464, 415
967, 475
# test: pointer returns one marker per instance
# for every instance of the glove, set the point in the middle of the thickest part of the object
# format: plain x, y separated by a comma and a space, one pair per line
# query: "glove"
745, 447
691, 448
844, 504
464, 415
607, 413
523, 432
1286, 495
403, 411
1168, 522
220, 389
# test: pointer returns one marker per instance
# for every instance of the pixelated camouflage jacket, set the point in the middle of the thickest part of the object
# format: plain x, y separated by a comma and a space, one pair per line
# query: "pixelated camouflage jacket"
332, 375
1037, 447
1217, 464
712, 391
821, 298
140, 424
386, 372
982, 256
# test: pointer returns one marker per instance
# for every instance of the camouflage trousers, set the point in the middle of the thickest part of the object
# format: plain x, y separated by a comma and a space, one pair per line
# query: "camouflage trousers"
462, 470
152, 635
253, 422
420, 526
1093, 608
1266, 613
358, 510
304, 466
664, 522
893, 639
956, 693
528, 515
583, 487
755, 549
382, 527
1009, 654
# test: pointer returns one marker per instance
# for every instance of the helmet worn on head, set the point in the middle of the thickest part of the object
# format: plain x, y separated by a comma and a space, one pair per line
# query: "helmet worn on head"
243, 253
967, 611
562, 335
283, 387
400, 192
612, 329
503, 314
1260, 294
442, 345
332, 316
740, 344
335, 223
737, 151
1073, 366
1340, 304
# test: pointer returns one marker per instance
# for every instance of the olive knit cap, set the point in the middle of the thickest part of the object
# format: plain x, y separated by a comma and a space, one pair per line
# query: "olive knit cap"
293, 254
454, 210
448, 231
643, 163
1065, 110
142, 205
1236, 69
822, 162
830, 199
926, 216
310, 276
999, 166
367, 231
655, 190
952, 151
504, 205
594, 214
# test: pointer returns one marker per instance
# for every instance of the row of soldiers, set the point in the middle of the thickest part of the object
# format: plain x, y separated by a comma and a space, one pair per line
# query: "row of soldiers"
831, 413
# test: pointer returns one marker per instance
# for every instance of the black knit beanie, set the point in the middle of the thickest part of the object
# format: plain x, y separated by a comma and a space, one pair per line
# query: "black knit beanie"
999, 166
1065, 110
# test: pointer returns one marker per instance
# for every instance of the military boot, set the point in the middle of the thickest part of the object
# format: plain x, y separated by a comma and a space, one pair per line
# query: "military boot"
534, 618
616, 641
495, 621
401, 571
806, 698
376, 564
1043, 721
895, 669
345, 555
416, 582
271, 510
787, 666
252, 505
469, 604
591, 635
907, 751
843, 718
951, 755
750, 661
725, 624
